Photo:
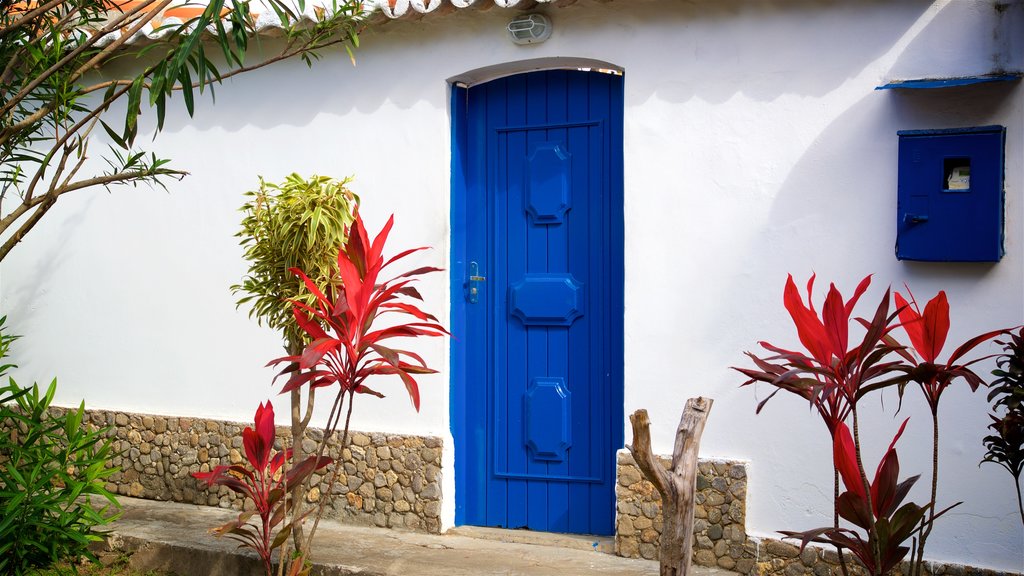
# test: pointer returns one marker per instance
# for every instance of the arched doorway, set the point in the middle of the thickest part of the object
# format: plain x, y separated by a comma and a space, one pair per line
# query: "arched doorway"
537, 307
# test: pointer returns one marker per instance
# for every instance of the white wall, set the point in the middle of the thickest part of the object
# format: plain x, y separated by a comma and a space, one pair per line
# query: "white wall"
755, 145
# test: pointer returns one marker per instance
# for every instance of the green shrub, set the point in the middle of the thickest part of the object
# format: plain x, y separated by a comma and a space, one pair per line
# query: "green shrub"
1006, 444
52, 469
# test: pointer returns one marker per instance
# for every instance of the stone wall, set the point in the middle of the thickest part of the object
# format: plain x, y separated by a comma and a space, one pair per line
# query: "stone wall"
394, 481
778, 558
720, 528
386, 479
719, 514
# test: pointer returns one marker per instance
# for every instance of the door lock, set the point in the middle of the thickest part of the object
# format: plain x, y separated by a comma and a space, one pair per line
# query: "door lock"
473, 285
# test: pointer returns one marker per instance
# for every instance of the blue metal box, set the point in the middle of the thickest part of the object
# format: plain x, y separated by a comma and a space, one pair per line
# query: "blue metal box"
950, 198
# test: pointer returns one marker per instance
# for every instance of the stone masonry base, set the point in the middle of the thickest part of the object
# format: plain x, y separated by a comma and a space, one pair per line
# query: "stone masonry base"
394, 481
720, 527
386, 480
719, 515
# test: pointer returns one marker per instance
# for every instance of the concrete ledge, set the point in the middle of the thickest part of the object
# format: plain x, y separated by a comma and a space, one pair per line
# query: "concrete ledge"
170, 536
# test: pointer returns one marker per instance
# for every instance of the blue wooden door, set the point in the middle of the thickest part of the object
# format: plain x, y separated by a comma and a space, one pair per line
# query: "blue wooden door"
543, 249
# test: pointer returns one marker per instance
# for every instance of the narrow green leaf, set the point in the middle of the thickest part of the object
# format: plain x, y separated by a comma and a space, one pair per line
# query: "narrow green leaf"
186, 90
113, 135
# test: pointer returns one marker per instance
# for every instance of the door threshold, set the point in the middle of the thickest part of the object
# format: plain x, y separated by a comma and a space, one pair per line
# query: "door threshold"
603, 544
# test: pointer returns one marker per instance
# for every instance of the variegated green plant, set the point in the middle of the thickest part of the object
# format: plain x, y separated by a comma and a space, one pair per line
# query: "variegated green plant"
296, 224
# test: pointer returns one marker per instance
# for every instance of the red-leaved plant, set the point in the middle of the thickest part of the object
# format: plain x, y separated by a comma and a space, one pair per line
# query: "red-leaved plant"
833, 375
927, 332
877, 510
266, 484
348, 345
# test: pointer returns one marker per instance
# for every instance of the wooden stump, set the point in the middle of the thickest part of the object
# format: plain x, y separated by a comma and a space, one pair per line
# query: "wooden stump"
677, 485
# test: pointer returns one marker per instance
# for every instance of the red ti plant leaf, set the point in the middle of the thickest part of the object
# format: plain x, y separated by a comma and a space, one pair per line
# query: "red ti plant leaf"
885, 492
258, 442
853, 508
833, 375
822, 337
809, 327
888, 525
927, 331
352, 349
833, 372
844, 455
263, 483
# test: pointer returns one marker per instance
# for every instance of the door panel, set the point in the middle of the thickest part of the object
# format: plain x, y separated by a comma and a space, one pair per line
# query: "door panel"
543, 364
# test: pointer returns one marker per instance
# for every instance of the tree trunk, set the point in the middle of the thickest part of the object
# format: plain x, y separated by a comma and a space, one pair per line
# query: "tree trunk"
677, 485
298, 454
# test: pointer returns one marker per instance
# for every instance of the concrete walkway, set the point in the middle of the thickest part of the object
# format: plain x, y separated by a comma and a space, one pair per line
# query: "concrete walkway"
173, 537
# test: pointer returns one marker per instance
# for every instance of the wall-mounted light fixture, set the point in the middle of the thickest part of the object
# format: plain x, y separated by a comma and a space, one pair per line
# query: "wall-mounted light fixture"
529, 29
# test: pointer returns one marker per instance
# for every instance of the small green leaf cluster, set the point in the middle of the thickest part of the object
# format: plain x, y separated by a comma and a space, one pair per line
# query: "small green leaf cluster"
299, 223
52, 472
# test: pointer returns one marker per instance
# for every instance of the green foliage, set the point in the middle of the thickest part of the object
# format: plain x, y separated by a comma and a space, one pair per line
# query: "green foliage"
1006, 445
51, 102
110, 564
5, 345
52, 468
296, 224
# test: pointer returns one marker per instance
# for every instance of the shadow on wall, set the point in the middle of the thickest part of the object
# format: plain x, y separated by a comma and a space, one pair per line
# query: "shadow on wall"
718, 49
762, 50
844, 186
835, 214
964, 39
25, 298
835, 211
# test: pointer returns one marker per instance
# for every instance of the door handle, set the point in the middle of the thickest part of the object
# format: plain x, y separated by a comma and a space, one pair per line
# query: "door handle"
473, 284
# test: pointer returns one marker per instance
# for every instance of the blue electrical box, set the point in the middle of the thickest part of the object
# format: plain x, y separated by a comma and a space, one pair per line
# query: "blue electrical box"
950, 198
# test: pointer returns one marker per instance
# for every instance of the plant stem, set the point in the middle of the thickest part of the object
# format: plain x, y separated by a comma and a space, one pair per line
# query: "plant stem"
835, 519
328, 431
876, 552
1020, 503
294, 348
917, 564
334, 477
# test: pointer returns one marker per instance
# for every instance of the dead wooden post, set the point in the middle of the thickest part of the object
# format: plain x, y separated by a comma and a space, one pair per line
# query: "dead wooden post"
677, 485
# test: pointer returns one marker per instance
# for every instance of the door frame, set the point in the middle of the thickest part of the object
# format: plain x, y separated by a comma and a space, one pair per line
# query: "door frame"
460, 185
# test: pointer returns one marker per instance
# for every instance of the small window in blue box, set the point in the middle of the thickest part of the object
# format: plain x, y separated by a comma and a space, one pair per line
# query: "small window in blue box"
957, 175
950, 197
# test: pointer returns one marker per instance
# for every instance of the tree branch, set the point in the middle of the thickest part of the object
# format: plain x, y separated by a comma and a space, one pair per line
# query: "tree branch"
26, 226
30, 16
307, 47
119, 177
642, 454
7, 221
46, 108
70, 132
70, 56
677, 486
110, 48
83, 148
42, 204
691, 427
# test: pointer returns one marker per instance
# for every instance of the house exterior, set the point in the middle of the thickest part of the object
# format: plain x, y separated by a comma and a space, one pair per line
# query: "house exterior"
626, 199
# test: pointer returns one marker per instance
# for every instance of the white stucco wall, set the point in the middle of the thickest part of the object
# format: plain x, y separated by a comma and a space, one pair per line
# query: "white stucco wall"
755, 145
